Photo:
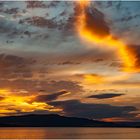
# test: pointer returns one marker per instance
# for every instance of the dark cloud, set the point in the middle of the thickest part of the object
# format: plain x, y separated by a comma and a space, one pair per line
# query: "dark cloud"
39, 22
105, 95
36, 4
68, 63
16, 25
12, 60
135, 50
94, 111
96, 23
107, 90
11, 11
51, 97
15, 66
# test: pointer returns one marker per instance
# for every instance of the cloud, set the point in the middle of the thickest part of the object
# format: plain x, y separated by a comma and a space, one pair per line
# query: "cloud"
46, 32
105, 95
13, 66
64, 85
96, 23
51, 97
89, 28
135, 49
7, 60
40, 22
127, 83
15, 103
36, 4
94, 79
82, 56
1, 98
94, 111
36, 86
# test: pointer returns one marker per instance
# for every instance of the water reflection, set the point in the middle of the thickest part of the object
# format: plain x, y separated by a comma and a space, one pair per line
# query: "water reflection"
69, 133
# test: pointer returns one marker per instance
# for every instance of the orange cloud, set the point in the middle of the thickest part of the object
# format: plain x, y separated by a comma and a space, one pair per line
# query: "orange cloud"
94, 29
90, 79
94, 79
12, 104
116, 119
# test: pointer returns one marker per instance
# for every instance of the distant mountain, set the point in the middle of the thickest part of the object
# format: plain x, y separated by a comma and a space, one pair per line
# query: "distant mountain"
53, 120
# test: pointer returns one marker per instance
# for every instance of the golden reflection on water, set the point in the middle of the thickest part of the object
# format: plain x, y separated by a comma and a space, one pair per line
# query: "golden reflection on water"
22, 133
68, 133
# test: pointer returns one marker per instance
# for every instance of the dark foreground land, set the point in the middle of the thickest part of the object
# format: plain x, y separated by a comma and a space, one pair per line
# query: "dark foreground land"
54, 120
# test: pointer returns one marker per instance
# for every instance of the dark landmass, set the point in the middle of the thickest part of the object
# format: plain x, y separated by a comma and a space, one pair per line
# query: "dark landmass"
53, 120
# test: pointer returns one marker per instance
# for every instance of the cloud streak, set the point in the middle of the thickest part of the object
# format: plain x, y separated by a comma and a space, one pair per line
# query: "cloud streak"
51, 97
105, 95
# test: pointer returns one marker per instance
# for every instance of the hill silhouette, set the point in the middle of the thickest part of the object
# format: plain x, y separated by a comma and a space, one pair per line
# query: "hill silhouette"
54, 120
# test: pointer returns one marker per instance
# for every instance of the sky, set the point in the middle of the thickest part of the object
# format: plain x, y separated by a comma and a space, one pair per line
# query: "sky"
70, 58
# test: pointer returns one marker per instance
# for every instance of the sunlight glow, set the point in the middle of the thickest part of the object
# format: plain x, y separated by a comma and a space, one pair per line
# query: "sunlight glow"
12, 103
127, 57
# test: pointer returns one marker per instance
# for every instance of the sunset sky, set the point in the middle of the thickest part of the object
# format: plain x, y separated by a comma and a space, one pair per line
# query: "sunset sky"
78, 59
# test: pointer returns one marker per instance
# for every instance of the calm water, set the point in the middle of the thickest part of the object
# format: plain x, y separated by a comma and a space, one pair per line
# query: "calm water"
69, 133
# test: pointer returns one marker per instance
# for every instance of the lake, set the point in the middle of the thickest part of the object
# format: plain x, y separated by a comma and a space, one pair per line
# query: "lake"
68, 133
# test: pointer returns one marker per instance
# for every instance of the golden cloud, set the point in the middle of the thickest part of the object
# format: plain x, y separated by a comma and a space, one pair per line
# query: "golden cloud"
13, 103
